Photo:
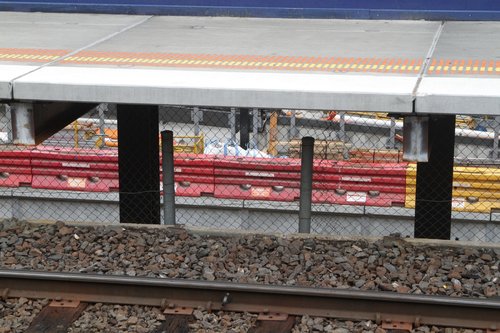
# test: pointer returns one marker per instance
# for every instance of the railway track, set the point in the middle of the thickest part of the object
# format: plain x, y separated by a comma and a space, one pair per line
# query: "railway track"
277, 306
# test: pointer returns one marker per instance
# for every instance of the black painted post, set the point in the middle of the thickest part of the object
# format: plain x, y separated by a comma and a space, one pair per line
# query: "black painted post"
244, 124
139, 168
167, 163
306, 183
435, 181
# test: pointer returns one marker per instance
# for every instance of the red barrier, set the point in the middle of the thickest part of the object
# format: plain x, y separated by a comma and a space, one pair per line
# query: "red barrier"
70, 169
256, 178
15, 168
334, 182
374, 184
194, 175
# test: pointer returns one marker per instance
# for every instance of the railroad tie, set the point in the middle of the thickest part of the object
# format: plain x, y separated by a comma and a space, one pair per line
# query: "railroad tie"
175, 324
279, 325
56, 317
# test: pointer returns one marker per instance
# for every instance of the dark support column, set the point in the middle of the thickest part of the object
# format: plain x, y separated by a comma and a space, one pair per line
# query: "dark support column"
306, 180
244, 124
435, 181
167, 166
138, 157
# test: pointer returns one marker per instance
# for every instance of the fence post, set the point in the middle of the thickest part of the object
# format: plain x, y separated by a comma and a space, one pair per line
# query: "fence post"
342, 134
167, 163
292, 134
244, 122
101, 125
196, 116
496, 130
391, 144
306, 177
232, 124
255, 127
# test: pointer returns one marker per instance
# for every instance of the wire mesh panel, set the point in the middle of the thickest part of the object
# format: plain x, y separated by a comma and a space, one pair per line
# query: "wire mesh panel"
241, 169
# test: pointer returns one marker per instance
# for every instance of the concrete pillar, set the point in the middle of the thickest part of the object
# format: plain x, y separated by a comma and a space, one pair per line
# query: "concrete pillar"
435, 181
138, 157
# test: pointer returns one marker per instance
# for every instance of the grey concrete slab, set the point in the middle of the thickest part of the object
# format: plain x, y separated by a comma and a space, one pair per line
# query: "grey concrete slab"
468, 41
56, 32
459, 95
386, 89
281, 37
219, 88
7, 74
464, 72
31, 40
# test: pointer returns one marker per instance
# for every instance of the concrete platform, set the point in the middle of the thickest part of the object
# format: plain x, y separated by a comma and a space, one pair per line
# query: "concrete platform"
464, 74
249, 62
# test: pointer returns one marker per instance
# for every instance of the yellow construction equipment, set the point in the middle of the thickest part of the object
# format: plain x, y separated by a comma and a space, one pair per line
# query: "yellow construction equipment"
182, 144
475, 189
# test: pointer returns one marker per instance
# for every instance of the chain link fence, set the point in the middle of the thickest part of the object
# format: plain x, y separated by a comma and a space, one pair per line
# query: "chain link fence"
240, 169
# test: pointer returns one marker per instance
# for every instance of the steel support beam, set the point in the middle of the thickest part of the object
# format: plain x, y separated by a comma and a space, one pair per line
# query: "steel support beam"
32, 123
435, 181
138, 157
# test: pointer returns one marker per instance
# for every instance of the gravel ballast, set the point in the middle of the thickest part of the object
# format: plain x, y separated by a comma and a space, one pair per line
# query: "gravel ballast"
388, 264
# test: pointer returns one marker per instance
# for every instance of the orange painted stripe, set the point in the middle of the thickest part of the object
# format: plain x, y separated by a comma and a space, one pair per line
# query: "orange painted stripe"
258, 62
30, 55
454, 67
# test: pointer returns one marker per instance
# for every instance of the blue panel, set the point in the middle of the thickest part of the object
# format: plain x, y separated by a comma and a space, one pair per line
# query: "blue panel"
363, 9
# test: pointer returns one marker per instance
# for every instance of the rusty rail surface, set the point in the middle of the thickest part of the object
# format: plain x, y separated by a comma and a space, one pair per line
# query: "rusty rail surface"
214, 295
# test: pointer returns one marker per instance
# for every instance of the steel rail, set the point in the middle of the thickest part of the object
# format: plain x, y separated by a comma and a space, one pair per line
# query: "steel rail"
215, 295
